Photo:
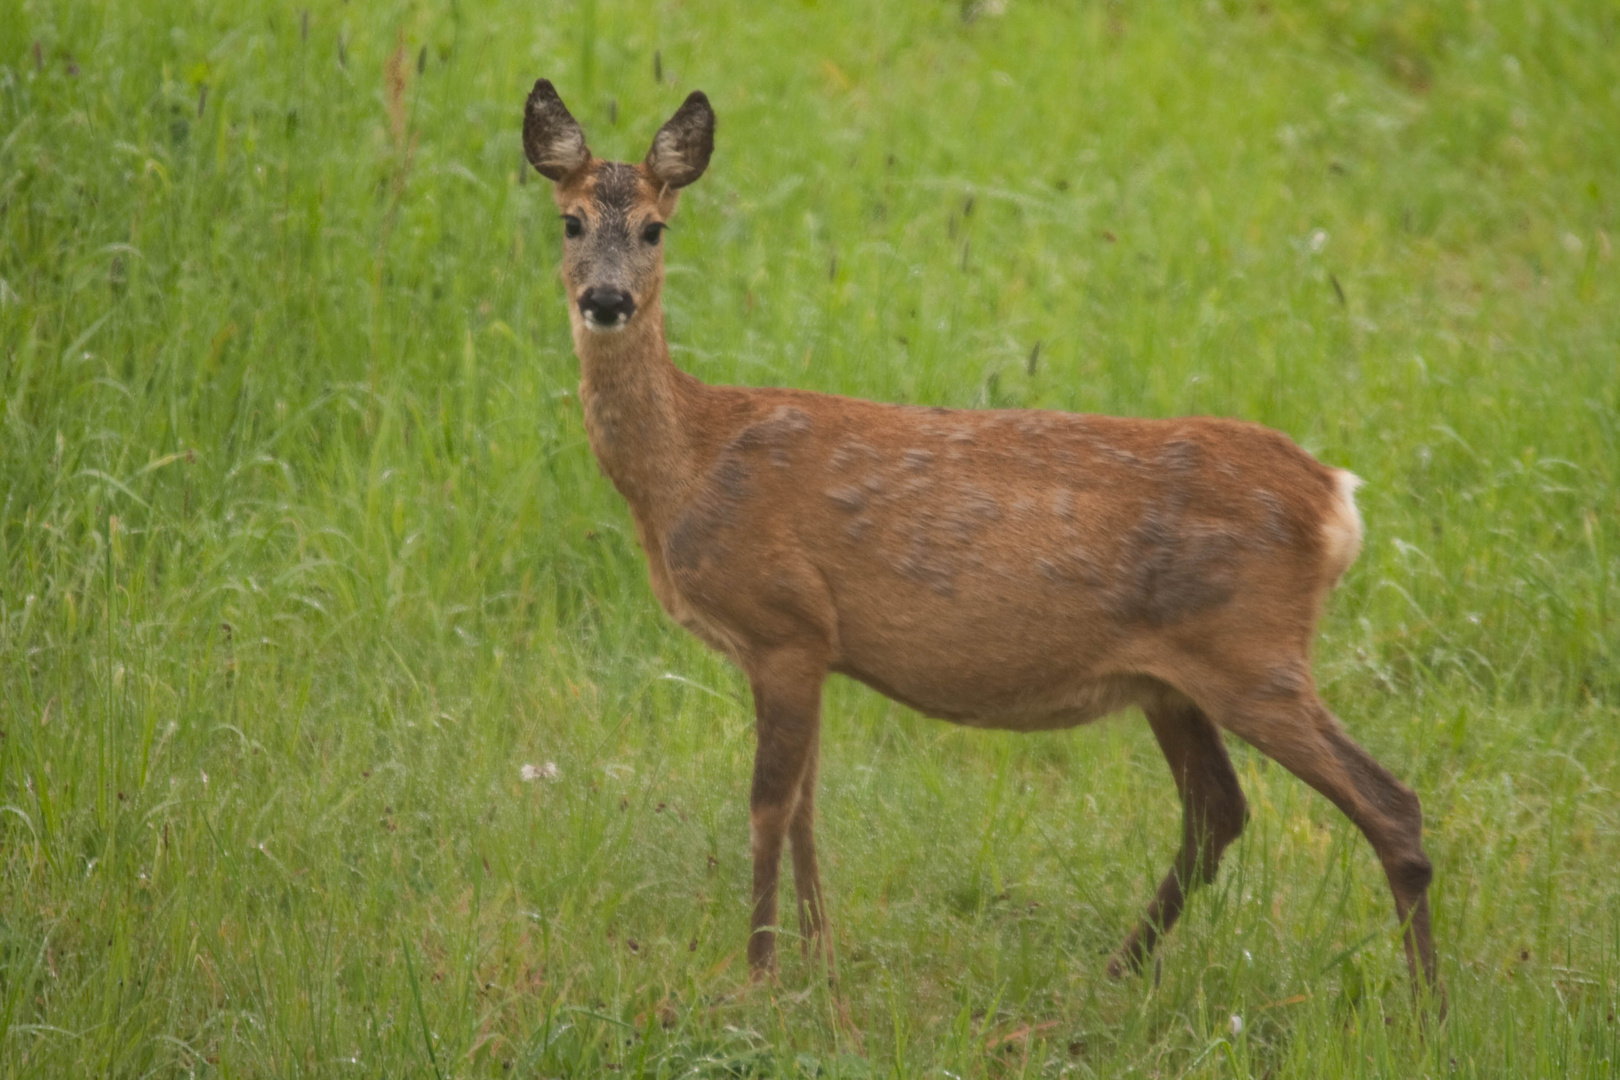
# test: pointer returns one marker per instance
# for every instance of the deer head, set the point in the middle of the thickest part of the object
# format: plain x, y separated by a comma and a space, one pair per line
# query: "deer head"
614, 214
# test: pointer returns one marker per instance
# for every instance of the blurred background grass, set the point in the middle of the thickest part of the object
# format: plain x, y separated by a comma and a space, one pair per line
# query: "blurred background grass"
303, 555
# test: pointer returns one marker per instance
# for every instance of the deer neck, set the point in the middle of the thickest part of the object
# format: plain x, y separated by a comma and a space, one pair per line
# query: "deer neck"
634, 399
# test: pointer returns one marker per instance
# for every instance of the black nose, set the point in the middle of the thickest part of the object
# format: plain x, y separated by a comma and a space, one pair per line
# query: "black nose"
607, 305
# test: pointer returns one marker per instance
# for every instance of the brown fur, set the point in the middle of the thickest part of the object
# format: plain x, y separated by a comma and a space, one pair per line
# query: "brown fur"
1004, 569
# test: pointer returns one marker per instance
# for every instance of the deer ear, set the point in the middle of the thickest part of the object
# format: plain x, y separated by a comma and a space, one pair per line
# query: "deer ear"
680, 151
552, 138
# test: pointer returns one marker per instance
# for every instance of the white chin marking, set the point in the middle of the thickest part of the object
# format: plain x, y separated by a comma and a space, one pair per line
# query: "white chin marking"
606, 327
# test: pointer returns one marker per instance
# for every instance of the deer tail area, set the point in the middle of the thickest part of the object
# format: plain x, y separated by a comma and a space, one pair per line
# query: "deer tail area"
1341, 530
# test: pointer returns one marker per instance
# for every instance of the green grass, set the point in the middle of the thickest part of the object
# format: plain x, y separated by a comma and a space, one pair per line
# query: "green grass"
303, 555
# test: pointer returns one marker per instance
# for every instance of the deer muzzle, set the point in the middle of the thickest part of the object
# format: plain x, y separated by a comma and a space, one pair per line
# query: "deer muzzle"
606, 308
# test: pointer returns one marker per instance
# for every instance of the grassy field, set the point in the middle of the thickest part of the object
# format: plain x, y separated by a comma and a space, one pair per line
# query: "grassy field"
303, 556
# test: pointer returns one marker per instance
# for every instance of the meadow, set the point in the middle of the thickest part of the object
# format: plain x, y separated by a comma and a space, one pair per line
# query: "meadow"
304, 558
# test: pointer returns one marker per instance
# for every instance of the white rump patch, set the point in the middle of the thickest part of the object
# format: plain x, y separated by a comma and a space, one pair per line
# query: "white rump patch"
1342, 531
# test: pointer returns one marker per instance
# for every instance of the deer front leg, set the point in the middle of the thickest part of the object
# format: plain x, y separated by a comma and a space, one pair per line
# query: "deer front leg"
806, 873
787, 719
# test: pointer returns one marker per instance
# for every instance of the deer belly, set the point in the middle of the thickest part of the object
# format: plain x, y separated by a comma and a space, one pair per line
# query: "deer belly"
1008, 661
990, 700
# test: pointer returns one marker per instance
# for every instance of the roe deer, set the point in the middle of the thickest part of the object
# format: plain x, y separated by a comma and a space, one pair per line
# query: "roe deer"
1013, 569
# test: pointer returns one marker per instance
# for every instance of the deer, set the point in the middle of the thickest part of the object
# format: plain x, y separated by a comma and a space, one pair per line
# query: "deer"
1023, 570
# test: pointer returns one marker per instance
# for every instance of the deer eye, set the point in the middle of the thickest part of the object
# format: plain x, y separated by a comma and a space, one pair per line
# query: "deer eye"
572, 226
652, 230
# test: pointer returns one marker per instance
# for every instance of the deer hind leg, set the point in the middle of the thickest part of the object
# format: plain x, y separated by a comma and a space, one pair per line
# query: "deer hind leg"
1299, 733
1213, 813
787, 720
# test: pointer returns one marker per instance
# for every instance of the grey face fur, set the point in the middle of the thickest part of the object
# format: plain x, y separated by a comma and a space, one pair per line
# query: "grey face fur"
614, 214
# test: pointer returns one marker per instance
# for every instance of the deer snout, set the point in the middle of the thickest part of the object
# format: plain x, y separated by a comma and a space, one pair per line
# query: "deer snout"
606, 308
